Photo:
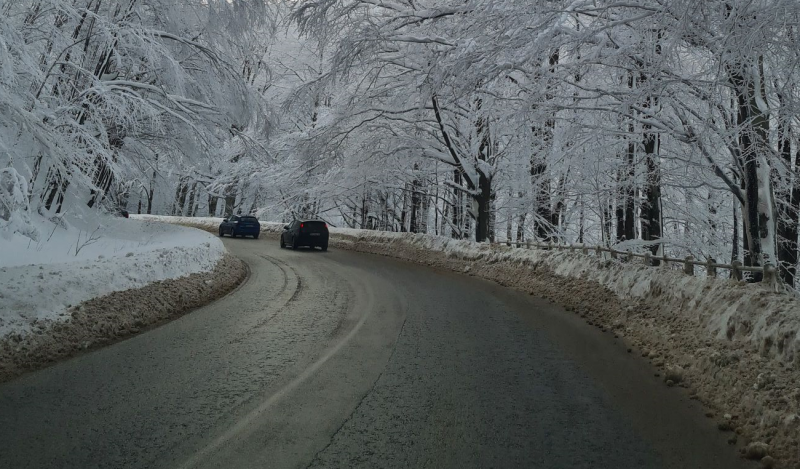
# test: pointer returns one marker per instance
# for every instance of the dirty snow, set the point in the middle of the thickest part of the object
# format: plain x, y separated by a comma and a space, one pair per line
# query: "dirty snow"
78, 261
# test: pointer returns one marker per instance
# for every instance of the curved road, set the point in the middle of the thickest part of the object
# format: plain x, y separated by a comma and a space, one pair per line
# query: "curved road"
339, 359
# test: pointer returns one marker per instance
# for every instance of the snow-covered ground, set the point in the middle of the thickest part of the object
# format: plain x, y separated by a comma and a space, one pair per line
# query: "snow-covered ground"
79, 261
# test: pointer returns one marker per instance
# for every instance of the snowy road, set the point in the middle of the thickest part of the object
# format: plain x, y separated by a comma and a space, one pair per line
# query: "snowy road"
340, 359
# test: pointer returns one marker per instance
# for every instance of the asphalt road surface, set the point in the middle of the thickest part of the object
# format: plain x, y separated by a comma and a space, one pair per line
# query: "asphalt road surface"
338, 360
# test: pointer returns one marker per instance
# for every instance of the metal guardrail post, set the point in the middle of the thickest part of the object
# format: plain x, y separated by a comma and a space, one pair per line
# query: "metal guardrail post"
711, 269
647, 259
528, 243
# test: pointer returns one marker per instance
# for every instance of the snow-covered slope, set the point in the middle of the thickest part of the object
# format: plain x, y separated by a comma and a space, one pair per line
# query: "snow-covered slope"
39, 281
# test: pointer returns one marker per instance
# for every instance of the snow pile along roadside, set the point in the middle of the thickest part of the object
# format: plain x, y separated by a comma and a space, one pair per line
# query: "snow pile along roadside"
87, 287
39, 282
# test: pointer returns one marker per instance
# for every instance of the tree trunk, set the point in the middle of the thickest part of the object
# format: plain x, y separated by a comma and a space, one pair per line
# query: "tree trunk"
788, 210
404, 209
57, 187
212, 205
626, 208
746, 252
151, 192
425, 209
521, 227
543, 226
608, 220
365, 211
416, 207
581, 220
619, 209
484, 201
651, 208
759, 206
230, 200
735, 240
484, 223
557, 217
458, 207
542, 207
509, 227
650, 213
190, 206
180, 203
492, 216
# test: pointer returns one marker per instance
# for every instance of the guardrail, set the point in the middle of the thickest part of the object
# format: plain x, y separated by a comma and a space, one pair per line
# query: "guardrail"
770, 272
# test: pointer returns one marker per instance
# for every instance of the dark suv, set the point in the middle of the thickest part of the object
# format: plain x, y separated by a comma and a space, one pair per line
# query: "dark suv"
309, 233
239, 225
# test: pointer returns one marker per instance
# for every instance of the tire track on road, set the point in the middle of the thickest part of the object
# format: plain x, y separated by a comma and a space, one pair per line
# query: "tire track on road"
244, 425
288, 274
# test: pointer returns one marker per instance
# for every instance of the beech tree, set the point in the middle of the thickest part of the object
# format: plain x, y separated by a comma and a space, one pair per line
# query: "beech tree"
672, 116
93, 90
668, 127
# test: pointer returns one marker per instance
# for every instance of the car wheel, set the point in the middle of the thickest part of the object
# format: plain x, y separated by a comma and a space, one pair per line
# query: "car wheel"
255, 236
324, 247
294, 244
221, 234
283, 245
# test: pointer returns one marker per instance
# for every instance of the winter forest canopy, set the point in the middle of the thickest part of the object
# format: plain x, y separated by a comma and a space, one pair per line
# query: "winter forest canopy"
657, 124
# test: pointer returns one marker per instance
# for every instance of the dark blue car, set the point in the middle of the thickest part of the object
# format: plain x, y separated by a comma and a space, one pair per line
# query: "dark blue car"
240, 225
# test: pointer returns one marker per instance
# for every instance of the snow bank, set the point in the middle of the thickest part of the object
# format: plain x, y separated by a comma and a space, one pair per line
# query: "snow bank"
74, 263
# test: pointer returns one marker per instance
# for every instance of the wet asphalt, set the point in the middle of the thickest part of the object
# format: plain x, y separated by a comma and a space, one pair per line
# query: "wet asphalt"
337, 360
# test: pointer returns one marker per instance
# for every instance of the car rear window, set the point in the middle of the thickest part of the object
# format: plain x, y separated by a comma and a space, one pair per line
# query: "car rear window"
314, 225
250, 219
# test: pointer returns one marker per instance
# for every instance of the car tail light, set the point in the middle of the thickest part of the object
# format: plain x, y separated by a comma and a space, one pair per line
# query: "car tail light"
301, 225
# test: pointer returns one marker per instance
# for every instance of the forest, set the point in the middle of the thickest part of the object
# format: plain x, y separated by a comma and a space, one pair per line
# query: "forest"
662, 126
